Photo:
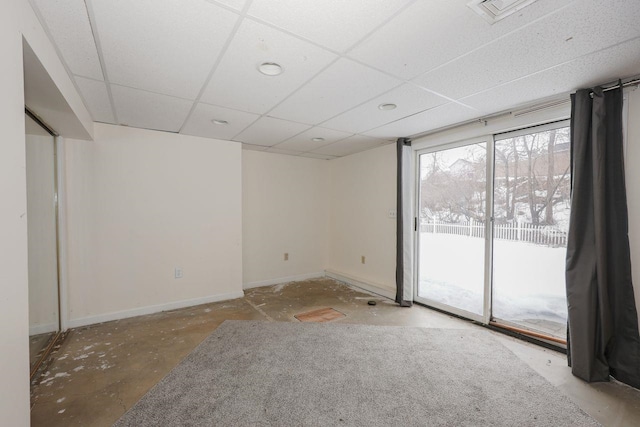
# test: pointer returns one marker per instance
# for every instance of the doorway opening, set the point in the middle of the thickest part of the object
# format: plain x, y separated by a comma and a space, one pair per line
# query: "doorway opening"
43, 242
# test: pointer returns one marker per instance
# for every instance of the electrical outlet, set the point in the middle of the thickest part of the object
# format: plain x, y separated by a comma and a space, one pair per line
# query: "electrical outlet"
392, 214
363, 259
286, 256
178, 273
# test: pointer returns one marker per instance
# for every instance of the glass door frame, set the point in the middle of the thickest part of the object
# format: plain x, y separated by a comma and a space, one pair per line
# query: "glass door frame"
558, 124
488, 244
489, 139
58, 336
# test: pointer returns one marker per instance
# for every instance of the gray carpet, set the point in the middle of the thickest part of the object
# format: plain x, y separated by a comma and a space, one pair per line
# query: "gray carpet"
250, 373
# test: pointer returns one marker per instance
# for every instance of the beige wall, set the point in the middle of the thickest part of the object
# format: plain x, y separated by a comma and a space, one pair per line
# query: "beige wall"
633, 187
285, 210
17, 20
139, 204
363, 190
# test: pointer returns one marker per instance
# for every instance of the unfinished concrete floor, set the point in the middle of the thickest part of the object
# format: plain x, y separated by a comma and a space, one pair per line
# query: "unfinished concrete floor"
102, 370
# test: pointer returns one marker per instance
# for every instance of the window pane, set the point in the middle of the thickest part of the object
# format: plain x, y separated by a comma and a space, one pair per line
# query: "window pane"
452, 215
531, 211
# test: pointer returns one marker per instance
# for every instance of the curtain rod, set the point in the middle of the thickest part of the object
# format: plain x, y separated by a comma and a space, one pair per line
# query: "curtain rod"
632, 82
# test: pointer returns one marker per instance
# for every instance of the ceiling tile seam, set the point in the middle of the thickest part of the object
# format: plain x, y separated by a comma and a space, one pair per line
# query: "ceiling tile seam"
103, 66
414, 114
320, 146
328, 49
551, 68
221, 55
489, 43
379, 26
224, 6
356, 106
151, 92
448, 98
341, 140
266, 114
49, 35
292, 34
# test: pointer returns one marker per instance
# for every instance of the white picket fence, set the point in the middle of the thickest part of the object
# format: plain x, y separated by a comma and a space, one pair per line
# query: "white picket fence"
519, 231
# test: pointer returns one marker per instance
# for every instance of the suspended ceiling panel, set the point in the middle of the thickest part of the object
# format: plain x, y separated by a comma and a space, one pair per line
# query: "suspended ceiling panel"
270, 131
342, 86
96, 97
335, 24
409, 99
236, 82
162, 46
312, 139
176, 65
350, 145
149, 110
202, 122
69, 26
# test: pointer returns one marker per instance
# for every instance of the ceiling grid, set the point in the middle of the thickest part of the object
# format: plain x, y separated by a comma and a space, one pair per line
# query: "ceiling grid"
191, 66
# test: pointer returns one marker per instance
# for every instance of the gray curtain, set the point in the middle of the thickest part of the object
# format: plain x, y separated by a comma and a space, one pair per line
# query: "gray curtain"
603, 322
403, 224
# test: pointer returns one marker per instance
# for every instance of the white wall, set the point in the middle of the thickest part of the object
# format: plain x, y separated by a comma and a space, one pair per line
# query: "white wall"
139, 204
363, 190
17, 20
285, 210
633, 187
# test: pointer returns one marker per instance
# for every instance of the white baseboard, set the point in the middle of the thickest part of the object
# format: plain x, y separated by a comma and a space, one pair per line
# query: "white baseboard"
282, 280
43, 329
361, 284
141, 311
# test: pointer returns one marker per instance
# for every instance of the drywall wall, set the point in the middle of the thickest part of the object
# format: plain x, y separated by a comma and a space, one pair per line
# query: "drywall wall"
633, 186
285, 210
363, 190
18, 23
141, 203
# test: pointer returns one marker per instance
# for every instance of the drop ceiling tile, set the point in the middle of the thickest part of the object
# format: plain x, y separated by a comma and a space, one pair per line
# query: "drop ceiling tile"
430, 33
270, 131
96, 97
149, 110
409, 98
304, 142
237, 82
200, 122
351, 145
252, 147
336, 24
280, 151
161, 45
340, 87
68, 23
579, 29
435, 118
318, 156
621, 61
234, 4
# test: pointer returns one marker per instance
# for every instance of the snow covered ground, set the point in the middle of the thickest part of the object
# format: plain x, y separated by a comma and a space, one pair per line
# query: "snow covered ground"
529, 284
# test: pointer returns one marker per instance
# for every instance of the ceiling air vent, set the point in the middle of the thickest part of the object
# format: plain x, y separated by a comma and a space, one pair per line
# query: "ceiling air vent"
495, 10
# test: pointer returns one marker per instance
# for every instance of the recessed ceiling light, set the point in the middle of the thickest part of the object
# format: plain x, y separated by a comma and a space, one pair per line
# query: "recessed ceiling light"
317, 139
270, 69
387, 107
219, 122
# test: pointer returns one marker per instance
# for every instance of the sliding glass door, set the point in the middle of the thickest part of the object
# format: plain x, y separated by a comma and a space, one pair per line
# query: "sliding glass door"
452, 204
493, 217
531, 210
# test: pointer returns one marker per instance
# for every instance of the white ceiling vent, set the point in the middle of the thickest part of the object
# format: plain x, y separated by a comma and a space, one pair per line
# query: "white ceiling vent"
495, 10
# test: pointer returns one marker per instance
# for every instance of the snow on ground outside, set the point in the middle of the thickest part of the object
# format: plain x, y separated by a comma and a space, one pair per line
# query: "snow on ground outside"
529, 285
